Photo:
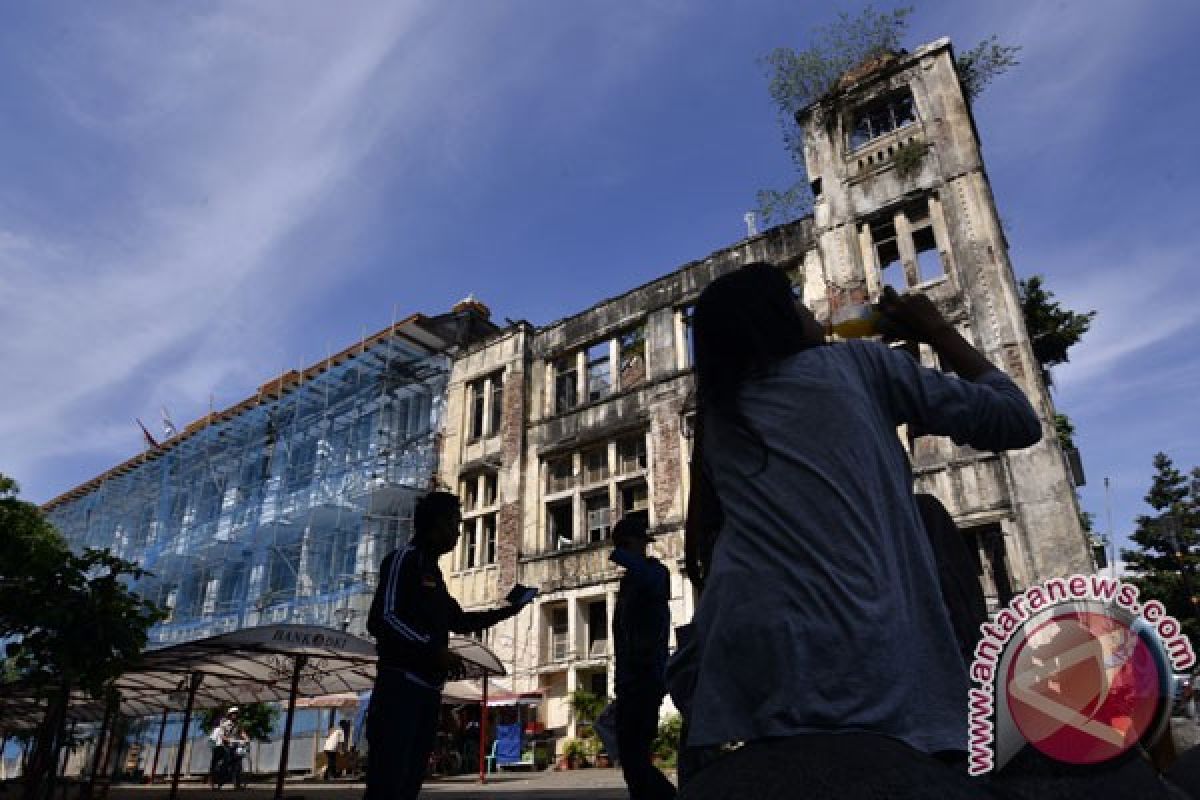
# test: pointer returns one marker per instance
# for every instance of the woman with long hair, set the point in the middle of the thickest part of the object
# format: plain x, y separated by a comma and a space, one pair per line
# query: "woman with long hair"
820, 611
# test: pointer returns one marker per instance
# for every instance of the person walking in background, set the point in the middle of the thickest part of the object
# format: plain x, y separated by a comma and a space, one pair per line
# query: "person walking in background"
641, 627
335, 742
820, 639
411, 617
221, 739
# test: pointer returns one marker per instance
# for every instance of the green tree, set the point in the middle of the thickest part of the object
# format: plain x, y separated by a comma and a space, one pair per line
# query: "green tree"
258, 720
1053, 330
798, 78
71, 621
1168, 544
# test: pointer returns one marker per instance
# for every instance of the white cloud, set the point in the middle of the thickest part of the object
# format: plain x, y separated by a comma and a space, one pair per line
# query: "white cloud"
232, 126
1143, 297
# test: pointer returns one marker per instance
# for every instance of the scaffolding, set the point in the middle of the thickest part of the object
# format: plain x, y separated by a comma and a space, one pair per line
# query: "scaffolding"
281, 508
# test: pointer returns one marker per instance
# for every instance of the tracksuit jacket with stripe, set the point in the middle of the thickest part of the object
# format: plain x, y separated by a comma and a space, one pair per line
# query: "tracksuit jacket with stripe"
412, 615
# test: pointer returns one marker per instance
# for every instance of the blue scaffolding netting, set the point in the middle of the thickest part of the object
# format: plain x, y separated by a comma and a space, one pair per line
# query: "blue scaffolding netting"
280, 509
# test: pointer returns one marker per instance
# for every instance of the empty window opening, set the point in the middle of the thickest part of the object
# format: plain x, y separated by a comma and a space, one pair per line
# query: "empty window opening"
565, 384
887, 254
631, 454
470, 545
597, 632
558, 474
489, 539
882, 116
560, 525
686, 318
558, 630
599, 371
632, 346
497, 405
477, 403
595, 465
634, 498
597, 515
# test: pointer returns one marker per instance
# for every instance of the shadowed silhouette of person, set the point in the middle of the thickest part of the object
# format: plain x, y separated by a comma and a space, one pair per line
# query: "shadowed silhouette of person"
820, 615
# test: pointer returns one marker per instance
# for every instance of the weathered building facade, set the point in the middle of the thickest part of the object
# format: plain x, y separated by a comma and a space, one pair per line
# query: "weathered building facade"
553, 433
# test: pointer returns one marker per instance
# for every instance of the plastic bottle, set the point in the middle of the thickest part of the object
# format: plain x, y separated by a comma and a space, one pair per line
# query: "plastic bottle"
862, 320
857, 321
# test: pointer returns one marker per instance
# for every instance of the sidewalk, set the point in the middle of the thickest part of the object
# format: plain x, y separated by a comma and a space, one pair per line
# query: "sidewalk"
583, 784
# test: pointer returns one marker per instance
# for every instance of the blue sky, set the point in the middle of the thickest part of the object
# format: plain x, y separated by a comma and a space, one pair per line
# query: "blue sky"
198, 196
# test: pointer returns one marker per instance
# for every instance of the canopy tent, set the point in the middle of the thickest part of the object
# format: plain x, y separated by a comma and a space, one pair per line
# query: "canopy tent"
262, 664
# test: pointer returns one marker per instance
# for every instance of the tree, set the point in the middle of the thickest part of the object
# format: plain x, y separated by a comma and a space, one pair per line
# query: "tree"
256, 719
796, 79
71, 620
1053, 330
1164, 563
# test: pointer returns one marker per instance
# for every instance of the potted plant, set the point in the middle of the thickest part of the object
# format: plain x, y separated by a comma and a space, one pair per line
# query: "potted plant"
574, 753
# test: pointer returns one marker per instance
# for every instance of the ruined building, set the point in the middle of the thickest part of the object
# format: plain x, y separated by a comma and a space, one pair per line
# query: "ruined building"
553, 433
280, 508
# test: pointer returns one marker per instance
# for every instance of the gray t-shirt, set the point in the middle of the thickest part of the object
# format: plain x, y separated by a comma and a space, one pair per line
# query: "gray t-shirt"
822, 610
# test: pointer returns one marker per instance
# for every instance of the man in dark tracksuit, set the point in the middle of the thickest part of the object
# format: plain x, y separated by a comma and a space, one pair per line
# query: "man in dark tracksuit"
641, 626
411, 617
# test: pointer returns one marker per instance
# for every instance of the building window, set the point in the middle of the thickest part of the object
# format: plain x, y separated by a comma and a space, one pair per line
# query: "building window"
599, 372
597, 516
882, 116
470, 545
470, 492
489, 538
497, 409
887, 254
632, 347
560, 525
928, 258
478, 395
566, 384
558, 475
687, 356
597, 632
905, 247
634, 497
489, 489
559, 649
595, 464
631, 454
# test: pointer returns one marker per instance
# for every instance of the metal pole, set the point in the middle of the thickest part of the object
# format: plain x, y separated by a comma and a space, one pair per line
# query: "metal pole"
196, 679
1112, 543
300, 661
483, 732
97, 763
162, 727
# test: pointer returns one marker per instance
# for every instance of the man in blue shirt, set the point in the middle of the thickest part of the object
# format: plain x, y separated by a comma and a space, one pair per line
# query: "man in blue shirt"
641, 626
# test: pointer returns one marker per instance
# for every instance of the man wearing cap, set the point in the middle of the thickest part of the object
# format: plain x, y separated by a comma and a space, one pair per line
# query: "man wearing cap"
641, 626
411, 618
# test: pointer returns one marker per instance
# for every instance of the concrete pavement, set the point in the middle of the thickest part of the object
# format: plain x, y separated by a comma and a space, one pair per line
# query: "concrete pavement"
583, 784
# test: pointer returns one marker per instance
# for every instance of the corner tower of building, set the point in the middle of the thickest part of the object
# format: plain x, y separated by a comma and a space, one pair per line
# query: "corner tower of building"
902, 198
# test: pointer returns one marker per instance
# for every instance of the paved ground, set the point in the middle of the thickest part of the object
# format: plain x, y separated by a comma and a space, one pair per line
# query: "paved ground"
584, 784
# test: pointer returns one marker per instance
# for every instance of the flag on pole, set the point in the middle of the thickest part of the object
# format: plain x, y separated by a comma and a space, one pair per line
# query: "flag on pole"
153, 445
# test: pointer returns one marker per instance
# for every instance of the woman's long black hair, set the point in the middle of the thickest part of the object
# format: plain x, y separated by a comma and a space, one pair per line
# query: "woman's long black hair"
744, 322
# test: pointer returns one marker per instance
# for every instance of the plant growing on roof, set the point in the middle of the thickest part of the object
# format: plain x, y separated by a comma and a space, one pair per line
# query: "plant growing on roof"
908, 158
798, 78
